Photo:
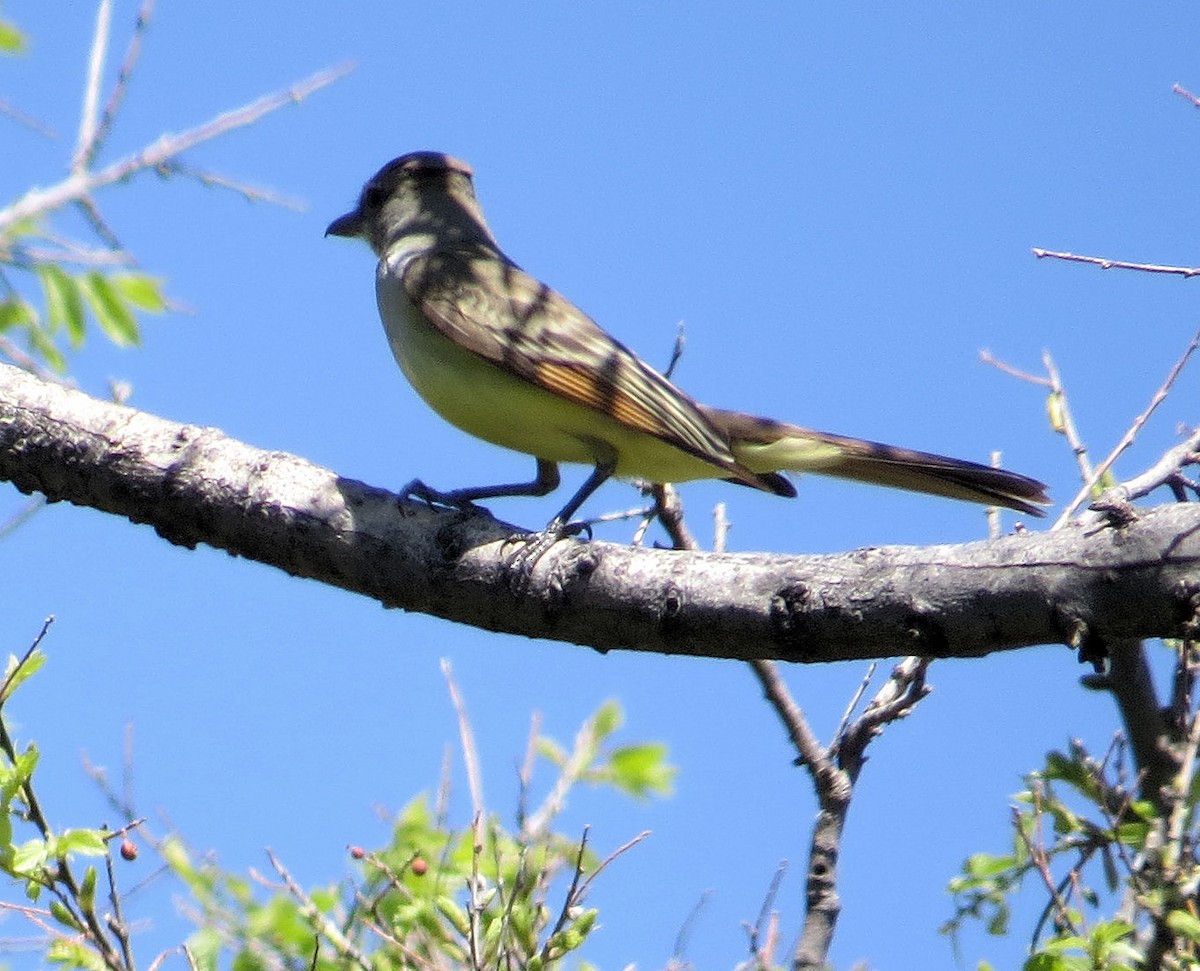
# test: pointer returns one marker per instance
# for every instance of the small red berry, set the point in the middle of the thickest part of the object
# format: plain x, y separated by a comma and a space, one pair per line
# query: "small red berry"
357, 852
129, 850
419, 866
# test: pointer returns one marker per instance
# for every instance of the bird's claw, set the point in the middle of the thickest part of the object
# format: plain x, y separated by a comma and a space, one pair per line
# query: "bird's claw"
531, 547
433, 497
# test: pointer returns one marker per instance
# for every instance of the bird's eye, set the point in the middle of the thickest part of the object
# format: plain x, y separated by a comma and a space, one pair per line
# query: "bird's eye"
374, 196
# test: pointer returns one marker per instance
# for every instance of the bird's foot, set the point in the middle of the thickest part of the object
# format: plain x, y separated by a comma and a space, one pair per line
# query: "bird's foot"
433, 497
531, 547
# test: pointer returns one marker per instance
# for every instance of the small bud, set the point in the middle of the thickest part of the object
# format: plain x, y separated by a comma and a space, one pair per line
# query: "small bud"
129, 850
357, 852
419, 866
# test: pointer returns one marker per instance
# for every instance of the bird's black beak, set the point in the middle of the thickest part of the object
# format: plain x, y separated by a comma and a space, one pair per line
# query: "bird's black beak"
349, 225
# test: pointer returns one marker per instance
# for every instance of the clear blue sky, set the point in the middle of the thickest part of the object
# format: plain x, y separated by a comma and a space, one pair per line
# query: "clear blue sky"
839, 202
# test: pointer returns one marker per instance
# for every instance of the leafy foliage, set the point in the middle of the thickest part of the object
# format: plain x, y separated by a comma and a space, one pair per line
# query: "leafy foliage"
1118, 873
437, 896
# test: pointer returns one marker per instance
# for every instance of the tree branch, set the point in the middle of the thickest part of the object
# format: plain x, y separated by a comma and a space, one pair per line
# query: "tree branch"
195, 485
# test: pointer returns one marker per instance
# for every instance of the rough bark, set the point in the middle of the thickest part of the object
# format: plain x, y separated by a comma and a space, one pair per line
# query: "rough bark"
1083, 586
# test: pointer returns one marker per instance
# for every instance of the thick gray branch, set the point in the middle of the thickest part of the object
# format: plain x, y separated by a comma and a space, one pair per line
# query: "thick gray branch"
195, 485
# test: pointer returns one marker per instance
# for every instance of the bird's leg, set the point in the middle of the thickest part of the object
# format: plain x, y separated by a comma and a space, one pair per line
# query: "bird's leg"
546, 482
533, 546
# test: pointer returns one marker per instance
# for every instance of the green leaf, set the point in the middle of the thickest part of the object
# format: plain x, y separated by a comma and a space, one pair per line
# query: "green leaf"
1111, 878
1181, 922
42, 345
15, 312
85, 842
29, 857
64, 302
453, 913
1060, 944
87, 890
6, 835
62, 914
205, 948
551, 751
1047, 962
987, 865
70, 952
12, 41
18, 671
111, 310
607, 720
642, 769
141, 290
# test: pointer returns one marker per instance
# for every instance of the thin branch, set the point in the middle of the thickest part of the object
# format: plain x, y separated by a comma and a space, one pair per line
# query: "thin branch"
467, 739
1183, 92
895, 699
571, 899
987, 357
1058, 408
91, 89
19, 116
853, 702
810, 752
1128, 438
29, 509
1106, 264
1166, 471
618, 852
1063, 421
80, 184
250, 193
1037, 855
132, 53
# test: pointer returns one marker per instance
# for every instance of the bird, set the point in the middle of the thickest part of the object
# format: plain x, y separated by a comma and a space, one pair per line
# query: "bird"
507, 359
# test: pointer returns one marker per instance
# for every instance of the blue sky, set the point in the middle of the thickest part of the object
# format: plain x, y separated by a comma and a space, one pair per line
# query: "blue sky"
838, 201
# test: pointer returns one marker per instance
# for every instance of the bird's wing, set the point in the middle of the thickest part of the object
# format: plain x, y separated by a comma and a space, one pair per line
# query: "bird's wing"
494, 309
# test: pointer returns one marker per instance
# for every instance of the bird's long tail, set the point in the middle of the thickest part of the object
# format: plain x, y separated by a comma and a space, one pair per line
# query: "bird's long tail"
764, 446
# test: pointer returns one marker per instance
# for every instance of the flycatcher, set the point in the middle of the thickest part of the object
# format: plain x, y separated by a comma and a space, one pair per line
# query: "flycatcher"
507, 359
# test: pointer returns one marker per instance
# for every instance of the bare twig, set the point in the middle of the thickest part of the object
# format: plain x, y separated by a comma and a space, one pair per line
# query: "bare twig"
1037, 855
467, 739
1183, 92
854, 700
82, 183
1106, 264
766, 917
19, 116
676, 349
894, 700
132, 53
1128, 438
571, 900
248, 192
1166, 471
987, 357
1062, 420
685, 932
1058, 409
91, 89
30, 508
619, 851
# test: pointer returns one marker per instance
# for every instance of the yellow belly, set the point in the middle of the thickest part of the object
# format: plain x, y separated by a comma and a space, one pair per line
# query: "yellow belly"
488, 402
